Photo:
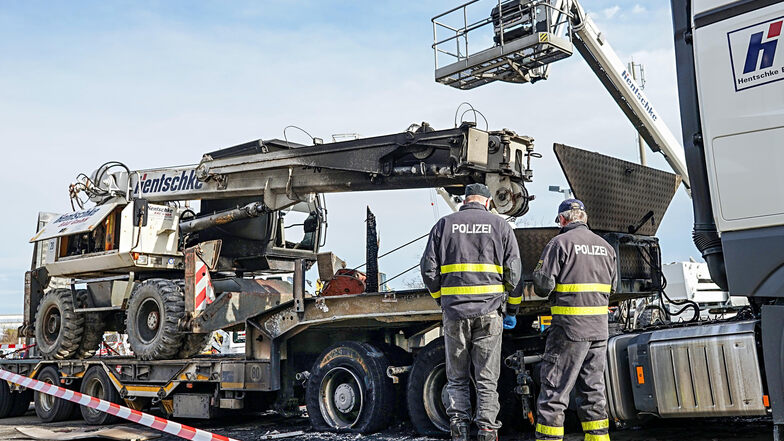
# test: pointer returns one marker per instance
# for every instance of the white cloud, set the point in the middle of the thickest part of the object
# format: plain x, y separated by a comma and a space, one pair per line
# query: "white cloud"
611, 11
639, 9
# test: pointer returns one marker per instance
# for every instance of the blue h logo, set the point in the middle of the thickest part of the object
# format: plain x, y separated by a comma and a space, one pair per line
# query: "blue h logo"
768, 49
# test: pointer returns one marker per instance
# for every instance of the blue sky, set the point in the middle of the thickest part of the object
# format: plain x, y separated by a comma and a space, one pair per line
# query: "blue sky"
158, 83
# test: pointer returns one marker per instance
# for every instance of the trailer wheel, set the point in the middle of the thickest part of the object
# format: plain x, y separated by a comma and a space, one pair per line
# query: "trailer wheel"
96, 383
426, 390
348, 389
152, 319
58, 329
94, 327
21, 402
193, 344
47, 407
13, 404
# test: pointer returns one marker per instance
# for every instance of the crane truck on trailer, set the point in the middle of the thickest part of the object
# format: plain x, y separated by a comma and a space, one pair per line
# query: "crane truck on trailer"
729, 72
137, 257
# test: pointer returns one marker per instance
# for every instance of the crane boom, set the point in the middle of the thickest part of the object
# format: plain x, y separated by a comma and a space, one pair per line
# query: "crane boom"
615, 77
529, 35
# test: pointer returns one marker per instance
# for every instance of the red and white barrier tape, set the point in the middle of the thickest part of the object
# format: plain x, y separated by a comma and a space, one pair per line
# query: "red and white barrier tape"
142, 418
13, 346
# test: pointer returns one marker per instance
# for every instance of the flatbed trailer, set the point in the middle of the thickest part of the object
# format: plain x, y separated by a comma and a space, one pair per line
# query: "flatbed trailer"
282, 348
354, 360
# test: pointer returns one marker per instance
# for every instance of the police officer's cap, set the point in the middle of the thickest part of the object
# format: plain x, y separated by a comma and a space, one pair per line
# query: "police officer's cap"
570, 204
477, 189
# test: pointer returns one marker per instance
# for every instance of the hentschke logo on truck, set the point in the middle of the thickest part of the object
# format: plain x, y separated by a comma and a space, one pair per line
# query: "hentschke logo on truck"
753, 52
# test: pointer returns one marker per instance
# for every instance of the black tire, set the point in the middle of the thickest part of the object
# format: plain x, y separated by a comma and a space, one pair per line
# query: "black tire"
359, 370
94, 327
48, 408
21, 402
6, 400
425, 391
152, 319
193, 344
96, 383
58, 329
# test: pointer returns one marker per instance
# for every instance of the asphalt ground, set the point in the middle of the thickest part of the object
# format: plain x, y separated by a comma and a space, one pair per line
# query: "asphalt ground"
255, 427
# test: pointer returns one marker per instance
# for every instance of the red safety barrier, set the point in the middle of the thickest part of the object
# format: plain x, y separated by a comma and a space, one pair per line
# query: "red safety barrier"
142, 418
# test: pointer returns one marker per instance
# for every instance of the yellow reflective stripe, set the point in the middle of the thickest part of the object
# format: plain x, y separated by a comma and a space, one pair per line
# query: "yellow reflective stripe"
482, 289
472, 267
592, 437
578, 310
436, 295
596, 425
549, 430
583, 287
515, 300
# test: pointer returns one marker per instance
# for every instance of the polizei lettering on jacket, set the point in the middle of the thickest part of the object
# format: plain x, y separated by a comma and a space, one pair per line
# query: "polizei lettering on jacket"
472, 228
164, 183
590, 250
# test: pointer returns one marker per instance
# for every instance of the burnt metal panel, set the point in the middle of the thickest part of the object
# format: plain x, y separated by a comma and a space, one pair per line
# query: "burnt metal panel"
618, 195
192, 406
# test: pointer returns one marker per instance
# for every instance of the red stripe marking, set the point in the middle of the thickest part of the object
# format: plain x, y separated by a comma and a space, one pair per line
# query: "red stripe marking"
220, 437
59, 392
94, 402
158, 424
186, 432
113, 409
775, 29
201, 296
135, 416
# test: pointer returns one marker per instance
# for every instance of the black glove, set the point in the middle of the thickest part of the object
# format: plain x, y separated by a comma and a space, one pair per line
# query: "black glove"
438, 300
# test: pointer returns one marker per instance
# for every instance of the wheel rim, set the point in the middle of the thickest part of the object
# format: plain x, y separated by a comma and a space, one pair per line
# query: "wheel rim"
52, 321
148, 320
341, 398
46, 400
94, 388
434, 394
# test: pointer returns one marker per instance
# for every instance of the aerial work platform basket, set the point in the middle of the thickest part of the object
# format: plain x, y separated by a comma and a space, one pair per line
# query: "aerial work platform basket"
517, 41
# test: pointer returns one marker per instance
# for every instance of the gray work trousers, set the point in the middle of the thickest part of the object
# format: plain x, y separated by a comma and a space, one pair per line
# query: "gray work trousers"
477, 342
566, 364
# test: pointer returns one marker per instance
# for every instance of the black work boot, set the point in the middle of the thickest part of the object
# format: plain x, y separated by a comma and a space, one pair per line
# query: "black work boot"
459, 430
487, 435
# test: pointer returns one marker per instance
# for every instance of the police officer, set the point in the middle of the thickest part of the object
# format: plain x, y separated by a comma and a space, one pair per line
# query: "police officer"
578, 271
471, 260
